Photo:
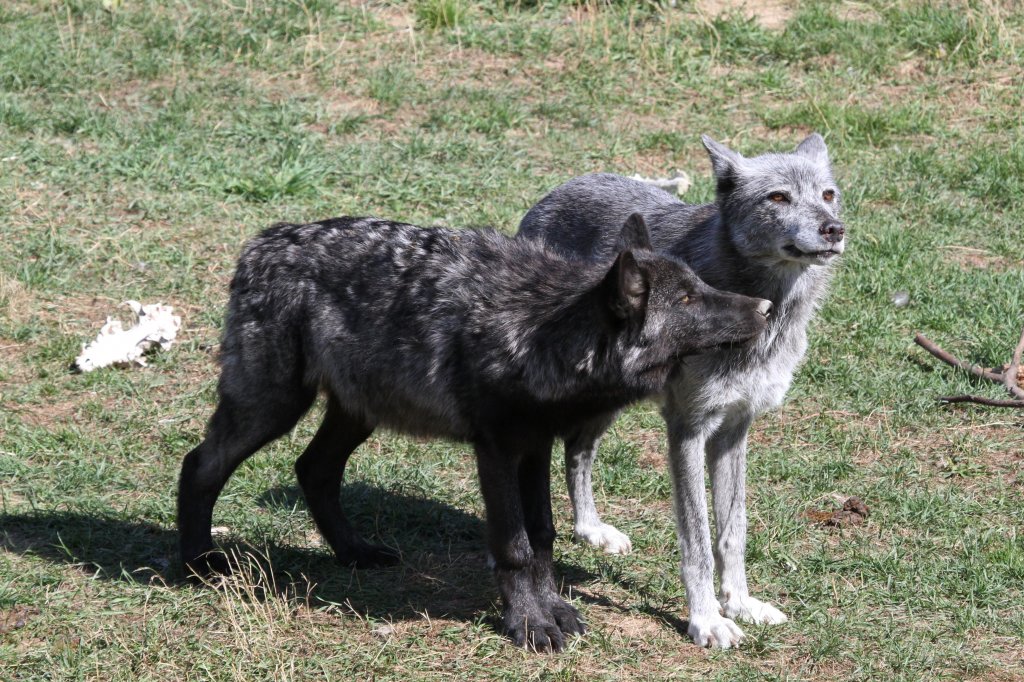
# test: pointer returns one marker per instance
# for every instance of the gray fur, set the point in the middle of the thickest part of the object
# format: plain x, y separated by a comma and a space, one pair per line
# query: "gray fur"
746, 242
459, 334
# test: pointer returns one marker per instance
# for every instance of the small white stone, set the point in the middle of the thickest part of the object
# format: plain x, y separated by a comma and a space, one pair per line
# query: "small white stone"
385, 631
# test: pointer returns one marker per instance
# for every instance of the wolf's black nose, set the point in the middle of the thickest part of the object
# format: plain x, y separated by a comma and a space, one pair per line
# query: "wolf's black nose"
765, 308
832, 231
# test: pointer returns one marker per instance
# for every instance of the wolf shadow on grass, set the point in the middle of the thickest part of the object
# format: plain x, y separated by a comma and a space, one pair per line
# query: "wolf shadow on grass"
443, 571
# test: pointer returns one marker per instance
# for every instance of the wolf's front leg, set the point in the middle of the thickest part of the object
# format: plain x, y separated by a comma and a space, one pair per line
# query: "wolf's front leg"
727, 462
580, 452
535, 488
520, 536
708, 627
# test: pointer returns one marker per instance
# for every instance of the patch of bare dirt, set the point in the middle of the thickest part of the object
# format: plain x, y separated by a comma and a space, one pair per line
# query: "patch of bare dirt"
657, 165
968, 455
12, 363
86, 307
337, 102
647, 636
396, 18
653, 447
15, 301
911, 68
476, 67
35, 200
971, 258
134, 92
859, 12
991, 675
632, 626
16, 618
48, 415
770, 14
960, 103
340, 102
1004, 652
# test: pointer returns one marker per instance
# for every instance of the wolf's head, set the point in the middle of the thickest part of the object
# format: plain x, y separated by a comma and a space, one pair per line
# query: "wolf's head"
668, 312
780, 207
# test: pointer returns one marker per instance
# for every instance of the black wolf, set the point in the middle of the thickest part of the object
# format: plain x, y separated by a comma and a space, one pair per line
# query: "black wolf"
773, 232
460, 334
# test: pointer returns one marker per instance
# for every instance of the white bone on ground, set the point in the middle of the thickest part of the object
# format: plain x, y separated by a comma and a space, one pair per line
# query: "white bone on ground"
678, 184
115, 345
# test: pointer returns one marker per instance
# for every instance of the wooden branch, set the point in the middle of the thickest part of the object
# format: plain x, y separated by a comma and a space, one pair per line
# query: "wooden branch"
950, 359
1019, 404
1008, 377
1010, 373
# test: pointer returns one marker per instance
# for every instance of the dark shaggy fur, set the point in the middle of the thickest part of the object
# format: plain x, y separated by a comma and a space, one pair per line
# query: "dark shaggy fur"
460, 334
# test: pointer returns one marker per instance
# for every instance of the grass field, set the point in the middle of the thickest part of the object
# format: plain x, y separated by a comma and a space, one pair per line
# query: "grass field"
142, 141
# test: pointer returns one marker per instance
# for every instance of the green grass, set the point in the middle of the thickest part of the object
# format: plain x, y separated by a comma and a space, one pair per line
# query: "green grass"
435, 14
140, 145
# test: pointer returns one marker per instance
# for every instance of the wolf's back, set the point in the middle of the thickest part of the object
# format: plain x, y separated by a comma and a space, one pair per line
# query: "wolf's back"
582, 217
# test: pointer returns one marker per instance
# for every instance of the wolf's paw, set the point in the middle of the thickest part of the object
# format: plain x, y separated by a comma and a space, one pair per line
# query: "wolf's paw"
714, 631
751, 610
604, 536
567, 617
207, 565
369, 556
535, 635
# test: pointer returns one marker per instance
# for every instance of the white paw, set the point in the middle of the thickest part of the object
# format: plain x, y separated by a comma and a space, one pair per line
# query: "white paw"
714, 631
751, 610
604, 536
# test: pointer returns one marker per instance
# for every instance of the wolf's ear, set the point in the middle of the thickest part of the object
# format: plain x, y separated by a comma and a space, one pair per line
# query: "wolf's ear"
724, 162
814, 149
628, 286
634, 235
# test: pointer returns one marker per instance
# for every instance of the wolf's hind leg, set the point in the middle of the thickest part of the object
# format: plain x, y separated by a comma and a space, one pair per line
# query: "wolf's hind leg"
727, 463
239, 427
320, 471
580, 451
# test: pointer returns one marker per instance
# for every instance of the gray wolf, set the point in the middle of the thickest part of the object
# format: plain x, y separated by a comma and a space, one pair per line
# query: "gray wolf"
772, 232
461, 334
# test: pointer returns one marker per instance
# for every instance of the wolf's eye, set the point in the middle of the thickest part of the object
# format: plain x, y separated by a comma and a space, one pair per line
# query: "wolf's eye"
685, 298
828, 195
778, 198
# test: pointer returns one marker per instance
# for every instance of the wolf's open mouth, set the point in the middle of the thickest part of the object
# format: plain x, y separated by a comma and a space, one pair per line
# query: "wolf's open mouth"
794, 251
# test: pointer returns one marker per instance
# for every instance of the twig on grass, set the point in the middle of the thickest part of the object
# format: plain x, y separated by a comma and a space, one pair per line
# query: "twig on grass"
981, 400
950, 359
1007, 377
